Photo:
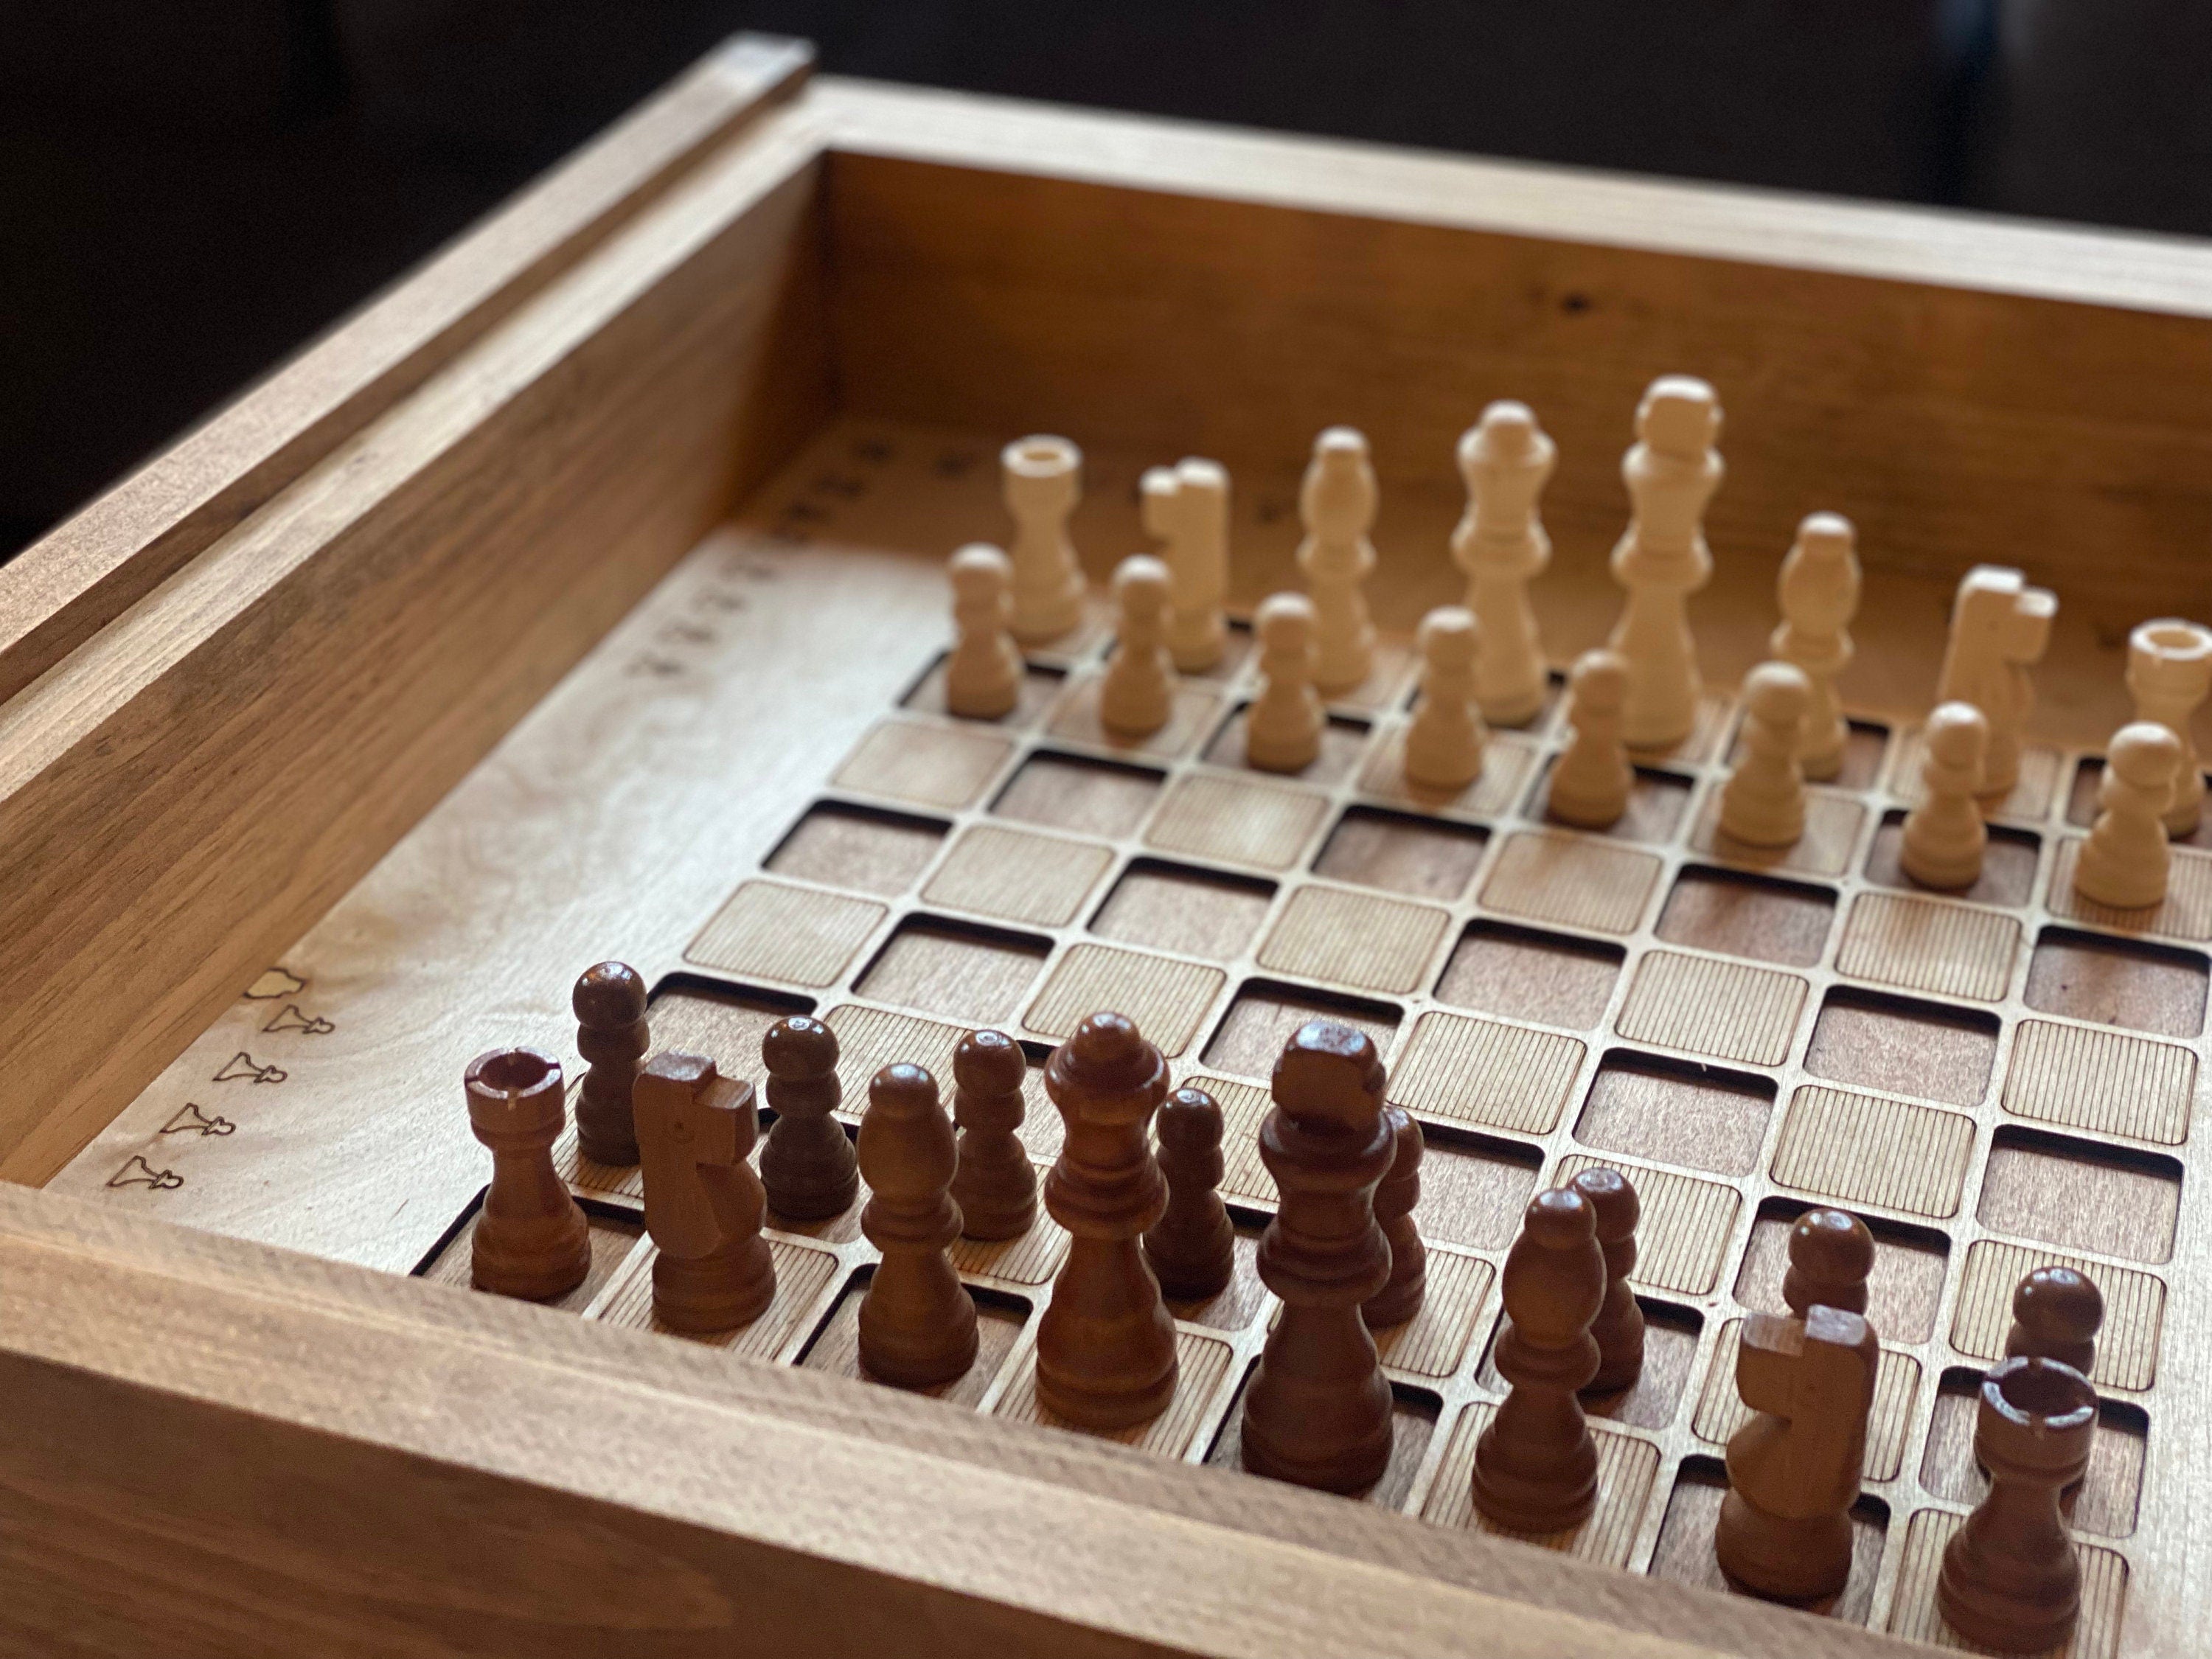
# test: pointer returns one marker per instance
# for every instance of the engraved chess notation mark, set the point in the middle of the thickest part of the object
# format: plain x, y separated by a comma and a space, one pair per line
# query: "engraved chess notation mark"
843, 485
137, 1172
956, 463
292, 1019
193, 1120
873, 452
279, 982
241, 1067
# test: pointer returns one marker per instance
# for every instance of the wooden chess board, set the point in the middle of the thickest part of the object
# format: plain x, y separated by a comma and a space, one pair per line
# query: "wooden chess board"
747, 786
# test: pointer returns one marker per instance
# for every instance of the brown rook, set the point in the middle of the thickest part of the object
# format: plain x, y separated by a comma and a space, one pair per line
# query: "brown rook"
531, 1239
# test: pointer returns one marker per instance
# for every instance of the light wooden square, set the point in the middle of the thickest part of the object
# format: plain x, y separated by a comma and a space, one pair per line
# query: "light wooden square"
1203, 1368
1720, 1410
1434, 1341
1333, 934
799, 935
1832, 822
1237, 820
802, 1274
1913, 1613
1707, 1006
1017, 876
929, 765
1684, 1235
1167, 999
1929, 944
1189, 716
869, 1039
1571, 880
1032, 1259
1866, 1149
1712, 718
1245, 1177
2088, 1078
1506, 764
1485, 1071
2186, 913
2135, 1309
1626, 1467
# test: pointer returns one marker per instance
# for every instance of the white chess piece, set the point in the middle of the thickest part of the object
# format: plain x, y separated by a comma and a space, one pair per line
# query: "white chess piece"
1282, 727
1763, 803
1506, 460
1042, 478
1999, 629
983, 676
1337, 503
1445, 744
1591, 782
1818, 592
1138, 694
1672, 472
2125, 860
1944, 838
2170, 673
1187, 507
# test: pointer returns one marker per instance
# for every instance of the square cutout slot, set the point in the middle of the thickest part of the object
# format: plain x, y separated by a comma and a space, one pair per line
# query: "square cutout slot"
1093, 798
725, 1025
2105, 1502
1169, 907
1902, 1292
2145, 987
960, 973
1526, 975
1265, 1016
1700, 1118
1474, 1189
1424, 857
2009, 862
1741, 915
840, 846
1685, 1552
1904, 1048
1342, 743
2080, 1197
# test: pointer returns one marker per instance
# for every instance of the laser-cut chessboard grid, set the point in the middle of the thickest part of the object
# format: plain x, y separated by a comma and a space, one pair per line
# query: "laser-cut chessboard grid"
1993, 1080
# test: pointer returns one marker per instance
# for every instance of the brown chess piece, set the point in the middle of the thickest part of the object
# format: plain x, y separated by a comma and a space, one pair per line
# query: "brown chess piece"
531, 1239
1401, 1297
1619, 1328
1105, 1345
917, 1320
996, 1185
2010, 1579
808, 1164
610, 1034
1786, 1525
1831, 1255
1318, 1409
1192, 1246
1536, 1467
2056, 1315
703, 1204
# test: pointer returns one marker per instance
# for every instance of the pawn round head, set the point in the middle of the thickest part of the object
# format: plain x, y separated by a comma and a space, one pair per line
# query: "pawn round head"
609, 993
1506, 432
1599, 680
1561, 1218
1340, 483
1328, 1077
1613, 1200
1681, 415
2058, 1307
1828, 1249
1448, 637
1285, 622
799, 1045
2144, 754
1958, 735
980, 574
902, 1090
1190, 1121
989, 1062
1827, 538
1777, 693
1141, 586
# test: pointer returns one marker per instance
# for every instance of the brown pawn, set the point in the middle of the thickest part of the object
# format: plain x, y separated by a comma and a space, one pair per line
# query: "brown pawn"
1105, 1346
917, 1320
2010, 1579
807, 1166
996, 1185
2056, 1315
1400, 1298
1831, 1253
531, 1239
1192, 1246
703, 1204
610, 1034
1536, 1467
1619, 1328
1318, 1408
1786, 1525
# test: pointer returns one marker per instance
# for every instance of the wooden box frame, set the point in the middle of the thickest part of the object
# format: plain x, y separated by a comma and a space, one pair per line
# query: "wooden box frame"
234, 681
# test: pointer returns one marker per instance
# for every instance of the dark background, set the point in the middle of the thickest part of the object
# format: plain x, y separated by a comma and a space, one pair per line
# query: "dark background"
189, 189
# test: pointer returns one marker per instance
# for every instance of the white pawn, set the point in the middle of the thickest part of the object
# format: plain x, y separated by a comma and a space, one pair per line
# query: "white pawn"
1591, 782
983, 676
1763, 803
1944, 836
1672, 472
2124, 862
1187, 507
1443, 745
1506, 460
2170, 673
1819, 593
1042, 479
1282, 727
1999, 628
1337, 503
1138, 693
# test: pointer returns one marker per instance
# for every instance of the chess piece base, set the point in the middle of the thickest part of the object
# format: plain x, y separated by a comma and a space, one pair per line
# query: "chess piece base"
2011, 1611
720, 1291
1192, 1276
1278, 756
536, 1261
1394, 1304
1948, 875
1360, 1456
1779, 1558
803, 1203
1553, 1498
1516, 708
979, 1220
923, 1354
611, 1139
1620, 1371
1116, 1408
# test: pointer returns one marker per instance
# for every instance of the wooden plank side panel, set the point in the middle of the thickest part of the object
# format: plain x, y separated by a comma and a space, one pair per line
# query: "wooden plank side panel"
190, 789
